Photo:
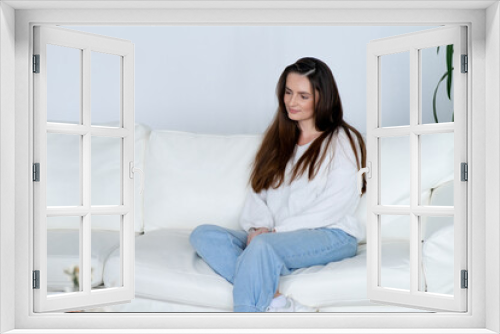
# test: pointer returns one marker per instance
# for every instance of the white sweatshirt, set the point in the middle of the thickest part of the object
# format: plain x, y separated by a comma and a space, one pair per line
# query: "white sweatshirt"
329, 200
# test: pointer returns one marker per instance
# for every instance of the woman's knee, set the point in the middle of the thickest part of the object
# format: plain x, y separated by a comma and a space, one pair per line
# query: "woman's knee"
349, 249
260, 253
260, 243
354, 247
203, 233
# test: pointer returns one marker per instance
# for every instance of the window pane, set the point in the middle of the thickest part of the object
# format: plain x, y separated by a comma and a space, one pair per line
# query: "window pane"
63, 84
106, 170
437, 168
395, 252
395, 89
395, 170
437, 255
63, 170
105, 88
63, 254
106, 241
436, 83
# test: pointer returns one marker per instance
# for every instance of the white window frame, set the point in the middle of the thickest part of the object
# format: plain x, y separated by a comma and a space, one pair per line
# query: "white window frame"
124, 52
484, 212
411, 44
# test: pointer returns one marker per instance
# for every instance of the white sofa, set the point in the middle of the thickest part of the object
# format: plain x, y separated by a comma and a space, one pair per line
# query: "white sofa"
193, 179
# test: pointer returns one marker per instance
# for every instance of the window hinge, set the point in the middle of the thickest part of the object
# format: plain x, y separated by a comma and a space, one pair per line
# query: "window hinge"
36, 63
465, 279
36, 279
464, 171
36, 172
465, 64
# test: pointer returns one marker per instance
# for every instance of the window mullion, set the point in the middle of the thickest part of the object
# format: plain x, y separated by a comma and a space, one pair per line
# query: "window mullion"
420, 129
85, 250
414, 169
82, 211
85, 236
86, 138
81, 130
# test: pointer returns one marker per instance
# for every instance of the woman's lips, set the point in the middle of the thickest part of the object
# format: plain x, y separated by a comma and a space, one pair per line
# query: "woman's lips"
293, 111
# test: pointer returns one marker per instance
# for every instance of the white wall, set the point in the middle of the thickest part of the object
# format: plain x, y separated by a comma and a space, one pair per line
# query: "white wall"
222, 79
7, 167
492, 161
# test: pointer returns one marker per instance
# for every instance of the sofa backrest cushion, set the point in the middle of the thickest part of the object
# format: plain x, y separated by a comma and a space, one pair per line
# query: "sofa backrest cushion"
101, 176
194, 179
142, 134
437, 158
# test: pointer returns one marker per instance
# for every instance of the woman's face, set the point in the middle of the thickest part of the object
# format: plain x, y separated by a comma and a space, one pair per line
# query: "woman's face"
298, 98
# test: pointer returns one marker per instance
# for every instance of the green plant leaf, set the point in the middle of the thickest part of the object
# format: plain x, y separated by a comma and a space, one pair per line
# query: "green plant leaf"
449, 67
434, 109
437, 52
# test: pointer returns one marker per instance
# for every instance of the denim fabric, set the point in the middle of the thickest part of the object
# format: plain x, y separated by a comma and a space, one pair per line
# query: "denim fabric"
255, 270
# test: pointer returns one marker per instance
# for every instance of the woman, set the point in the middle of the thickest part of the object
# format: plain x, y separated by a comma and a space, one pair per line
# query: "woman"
299, 212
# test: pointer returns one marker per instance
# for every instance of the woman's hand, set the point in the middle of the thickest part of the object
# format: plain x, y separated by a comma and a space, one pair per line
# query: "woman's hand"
256, 232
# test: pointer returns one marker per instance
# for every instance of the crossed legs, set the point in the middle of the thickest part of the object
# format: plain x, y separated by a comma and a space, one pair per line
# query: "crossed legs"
255, 270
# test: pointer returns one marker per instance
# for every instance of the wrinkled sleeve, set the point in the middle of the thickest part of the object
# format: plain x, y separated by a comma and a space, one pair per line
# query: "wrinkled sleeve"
338, 199
255, 212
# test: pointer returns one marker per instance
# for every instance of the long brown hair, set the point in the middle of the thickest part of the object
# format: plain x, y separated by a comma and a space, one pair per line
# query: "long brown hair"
283, 133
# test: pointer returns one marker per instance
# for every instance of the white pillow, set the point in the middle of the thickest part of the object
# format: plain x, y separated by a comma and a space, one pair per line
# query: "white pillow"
438, 261
438, 245
442, 195
437, 166
194, 179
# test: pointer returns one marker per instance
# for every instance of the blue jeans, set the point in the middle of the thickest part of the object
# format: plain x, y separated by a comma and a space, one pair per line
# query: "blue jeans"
255, 270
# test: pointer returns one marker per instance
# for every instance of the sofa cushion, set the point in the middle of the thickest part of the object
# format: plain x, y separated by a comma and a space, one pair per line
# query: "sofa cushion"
167, 268
194, 179
63, 254
346, 281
